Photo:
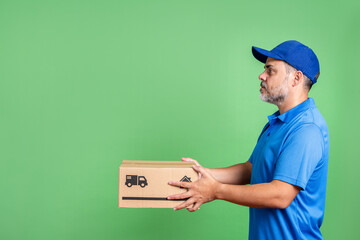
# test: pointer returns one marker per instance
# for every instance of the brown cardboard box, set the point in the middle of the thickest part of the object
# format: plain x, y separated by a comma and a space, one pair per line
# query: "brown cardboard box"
144, 184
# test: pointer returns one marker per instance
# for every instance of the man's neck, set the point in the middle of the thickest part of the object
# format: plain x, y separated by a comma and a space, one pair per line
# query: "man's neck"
290, 103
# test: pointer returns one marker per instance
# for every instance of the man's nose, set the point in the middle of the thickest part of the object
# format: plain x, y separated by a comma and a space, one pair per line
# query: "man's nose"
262, 77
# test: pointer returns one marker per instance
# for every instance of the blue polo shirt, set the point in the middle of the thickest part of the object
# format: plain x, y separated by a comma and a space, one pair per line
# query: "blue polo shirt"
293, 147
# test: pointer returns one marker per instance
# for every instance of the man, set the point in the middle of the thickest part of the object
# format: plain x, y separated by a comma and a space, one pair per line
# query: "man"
287, 170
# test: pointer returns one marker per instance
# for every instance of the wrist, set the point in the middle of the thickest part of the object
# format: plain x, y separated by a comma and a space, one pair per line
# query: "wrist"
219, 190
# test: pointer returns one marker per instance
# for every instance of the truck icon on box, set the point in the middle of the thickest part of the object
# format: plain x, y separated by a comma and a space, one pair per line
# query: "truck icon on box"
136, 180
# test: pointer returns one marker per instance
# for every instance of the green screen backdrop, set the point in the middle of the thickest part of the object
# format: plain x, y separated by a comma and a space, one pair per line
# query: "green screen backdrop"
87, 84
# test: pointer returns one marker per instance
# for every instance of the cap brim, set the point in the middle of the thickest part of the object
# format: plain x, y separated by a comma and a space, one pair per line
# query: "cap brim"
262, 54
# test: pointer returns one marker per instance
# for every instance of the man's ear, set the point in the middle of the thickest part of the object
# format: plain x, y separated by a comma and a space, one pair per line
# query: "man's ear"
298, 78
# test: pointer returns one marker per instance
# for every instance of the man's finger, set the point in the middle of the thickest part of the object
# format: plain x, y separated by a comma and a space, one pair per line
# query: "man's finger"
201, 170
180, 196
180, 184
190, 160
195, 207
184, 204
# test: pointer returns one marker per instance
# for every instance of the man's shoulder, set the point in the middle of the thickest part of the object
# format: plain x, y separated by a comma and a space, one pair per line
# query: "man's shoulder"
310, 126
311, 118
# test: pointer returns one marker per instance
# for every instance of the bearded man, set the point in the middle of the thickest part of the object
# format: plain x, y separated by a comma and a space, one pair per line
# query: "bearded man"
284, 180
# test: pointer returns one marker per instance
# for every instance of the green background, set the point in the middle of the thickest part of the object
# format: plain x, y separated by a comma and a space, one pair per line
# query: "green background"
86, 84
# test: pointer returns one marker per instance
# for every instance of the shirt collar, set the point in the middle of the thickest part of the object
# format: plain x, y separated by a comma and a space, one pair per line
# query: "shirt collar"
289, 115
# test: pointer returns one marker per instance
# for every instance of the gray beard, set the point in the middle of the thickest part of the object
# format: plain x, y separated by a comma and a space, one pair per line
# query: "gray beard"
278, 95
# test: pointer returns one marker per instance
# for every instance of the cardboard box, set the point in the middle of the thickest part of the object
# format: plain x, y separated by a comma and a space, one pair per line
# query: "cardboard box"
144, 184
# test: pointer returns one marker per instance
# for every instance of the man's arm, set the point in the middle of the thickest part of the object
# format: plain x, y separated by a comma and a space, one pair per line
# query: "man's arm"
236, 174
239, 174
276, 194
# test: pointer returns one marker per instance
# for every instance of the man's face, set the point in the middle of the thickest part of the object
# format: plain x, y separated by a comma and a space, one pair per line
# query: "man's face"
274, 82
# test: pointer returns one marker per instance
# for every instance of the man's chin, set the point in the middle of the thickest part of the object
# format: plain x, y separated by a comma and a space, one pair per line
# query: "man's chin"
277, 101
267, 99
264, 98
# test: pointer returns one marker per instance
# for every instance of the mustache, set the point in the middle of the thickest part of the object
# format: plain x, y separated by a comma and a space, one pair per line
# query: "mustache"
262, 84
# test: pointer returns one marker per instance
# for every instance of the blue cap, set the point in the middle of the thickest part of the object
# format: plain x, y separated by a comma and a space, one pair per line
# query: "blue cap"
296, 54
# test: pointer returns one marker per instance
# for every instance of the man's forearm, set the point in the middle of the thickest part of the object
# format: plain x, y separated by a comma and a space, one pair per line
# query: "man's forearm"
275, 194
238, 174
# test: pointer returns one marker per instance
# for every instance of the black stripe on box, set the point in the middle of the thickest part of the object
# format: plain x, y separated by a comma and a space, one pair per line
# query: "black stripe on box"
152, 198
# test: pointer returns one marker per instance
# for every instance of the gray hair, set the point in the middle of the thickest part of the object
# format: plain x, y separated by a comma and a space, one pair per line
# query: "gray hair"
307, 82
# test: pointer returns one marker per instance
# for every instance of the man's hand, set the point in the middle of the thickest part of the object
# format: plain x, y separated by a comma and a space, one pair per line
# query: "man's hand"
192, 160
199, 192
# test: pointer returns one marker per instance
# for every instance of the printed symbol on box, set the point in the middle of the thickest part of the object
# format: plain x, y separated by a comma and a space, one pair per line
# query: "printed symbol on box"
136, 180
185, 179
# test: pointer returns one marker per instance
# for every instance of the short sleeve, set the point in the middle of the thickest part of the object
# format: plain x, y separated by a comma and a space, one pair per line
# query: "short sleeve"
251, 158
300, 154
262, 132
